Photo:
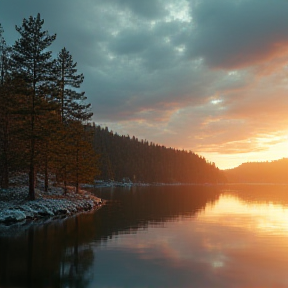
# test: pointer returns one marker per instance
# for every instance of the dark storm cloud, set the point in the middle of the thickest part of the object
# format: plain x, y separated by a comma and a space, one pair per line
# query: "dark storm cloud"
232, 34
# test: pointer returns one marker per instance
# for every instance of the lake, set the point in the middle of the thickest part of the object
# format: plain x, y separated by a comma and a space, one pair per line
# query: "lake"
163, 236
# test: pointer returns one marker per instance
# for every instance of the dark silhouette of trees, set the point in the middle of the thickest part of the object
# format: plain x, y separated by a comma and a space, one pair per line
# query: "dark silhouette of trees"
10, 97
3, 49
4, 112
141, 161
82, 166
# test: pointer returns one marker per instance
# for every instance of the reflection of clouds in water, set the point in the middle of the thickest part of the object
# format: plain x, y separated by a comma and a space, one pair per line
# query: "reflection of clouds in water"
137, 272
227, 244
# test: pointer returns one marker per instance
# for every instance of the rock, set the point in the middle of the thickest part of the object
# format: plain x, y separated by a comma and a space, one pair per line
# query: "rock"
28, 211
44, 211
29, 215
41, 209
12, 216
61, 211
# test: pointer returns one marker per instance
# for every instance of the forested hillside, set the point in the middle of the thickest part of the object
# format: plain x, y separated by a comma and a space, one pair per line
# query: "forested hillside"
141, 161
259, 172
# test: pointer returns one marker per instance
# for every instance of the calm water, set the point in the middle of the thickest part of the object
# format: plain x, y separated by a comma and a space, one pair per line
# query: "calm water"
208, 237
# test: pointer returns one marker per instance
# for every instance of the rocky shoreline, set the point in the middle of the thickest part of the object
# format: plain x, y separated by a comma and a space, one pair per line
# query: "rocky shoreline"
15, 208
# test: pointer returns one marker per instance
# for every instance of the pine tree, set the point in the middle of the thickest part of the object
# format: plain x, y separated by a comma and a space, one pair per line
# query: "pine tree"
34, 63
73, 111
8, 103
72, 103
12, 100
60, 153
2, 54
49, 141
82, 167
4, 112
74, 157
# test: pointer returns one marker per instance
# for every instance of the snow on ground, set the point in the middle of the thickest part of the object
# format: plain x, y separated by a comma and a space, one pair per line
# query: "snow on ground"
15, 207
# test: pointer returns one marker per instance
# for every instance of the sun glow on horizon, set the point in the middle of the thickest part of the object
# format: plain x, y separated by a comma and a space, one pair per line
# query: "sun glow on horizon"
232, 160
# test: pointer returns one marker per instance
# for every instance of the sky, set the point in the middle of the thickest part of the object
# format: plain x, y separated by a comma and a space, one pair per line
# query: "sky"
210, 76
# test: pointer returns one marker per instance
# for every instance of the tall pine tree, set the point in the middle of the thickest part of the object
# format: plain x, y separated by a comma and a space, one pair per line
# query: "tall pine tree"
34, 63
73, 111
6, 107
72, 102
3, 112
2, 54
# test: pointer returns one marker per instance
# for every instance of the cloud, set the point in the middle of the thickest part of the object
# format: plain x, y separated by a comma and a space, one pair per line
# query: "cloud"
237, 34
131, 42
151, 9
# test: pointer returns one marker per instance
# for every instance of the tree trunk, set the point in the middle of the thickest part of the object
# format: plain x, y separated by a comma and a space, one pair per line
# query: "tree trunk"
77, 171
5, 183
46, 175
32, 154
65, 180
46, 169
32, 182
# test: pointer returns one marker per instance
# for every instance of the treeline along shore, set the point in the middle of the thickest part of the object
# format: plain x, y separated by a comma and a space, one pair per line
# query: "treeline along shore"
125, 157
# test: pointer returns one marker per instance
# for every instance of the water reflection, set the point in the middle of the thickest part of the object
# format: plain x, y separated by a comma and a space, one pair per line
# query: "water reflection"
158, 237
52, 255
225, 245
249, 241
257, 217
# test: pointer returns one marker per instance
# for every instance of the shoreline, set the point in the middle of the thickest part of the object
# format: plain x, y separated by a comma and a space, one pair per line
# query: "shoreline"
15, 208
54, 204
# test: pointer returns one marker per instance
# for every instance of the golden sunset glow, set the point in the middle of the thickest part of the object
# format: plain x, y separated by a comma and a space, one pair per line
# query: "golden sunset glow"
227, 161
258, 217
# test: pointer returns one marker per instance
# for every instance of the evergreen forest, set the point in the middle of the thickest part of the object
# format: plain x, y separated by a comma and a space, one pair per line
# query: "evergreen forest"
123, 157
46, 128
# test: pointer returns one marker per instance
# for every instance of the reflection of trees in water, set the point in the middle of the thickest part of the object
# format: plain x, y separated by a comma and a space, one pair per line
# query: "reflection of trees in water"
60, 254
30, 257
138, 207
51, 255
75, 263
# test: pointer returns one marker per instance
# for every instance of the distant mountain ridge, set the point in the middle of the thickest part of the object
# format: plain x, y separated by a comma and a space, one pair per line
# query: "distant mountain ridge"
259, 172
